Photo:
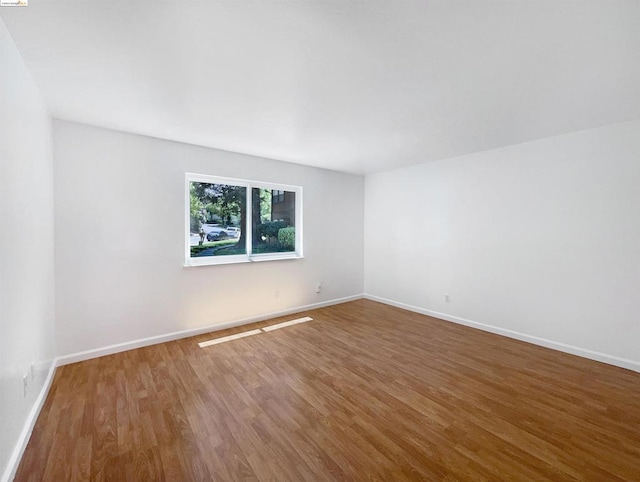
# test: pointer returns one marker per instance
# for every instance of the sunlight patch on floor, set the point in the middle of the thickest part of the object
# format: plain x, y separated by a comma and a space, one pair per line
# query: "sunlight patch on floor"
244, 334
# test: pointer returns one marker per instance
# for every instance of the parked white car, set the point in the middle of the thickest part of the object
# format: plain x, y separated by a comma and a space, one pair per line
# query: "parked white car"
233, 232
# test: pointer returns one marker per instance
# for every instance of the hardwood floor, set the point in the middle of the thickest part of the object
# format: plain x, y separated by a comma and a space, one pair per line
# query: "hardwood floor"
363, 392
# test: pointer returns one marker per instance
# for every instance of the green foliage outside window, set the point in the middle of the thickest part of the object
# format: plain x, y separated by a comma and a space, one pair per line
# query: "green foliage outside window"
287, 238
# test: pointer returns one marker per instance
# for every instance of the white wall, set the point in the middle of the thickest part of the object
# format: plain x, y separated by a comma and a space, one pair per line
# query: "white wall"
541, 238
119, 211
26, 246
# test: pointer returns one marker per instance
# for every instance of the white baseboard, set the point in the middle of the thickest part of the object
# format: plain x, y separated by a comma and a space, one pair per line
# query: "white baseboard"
23, 440
130, 345
573, 350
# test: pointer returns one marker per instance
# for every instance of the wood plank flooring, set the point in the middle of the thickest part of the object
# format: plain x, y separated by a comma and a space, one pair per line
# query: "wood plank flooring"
363, 392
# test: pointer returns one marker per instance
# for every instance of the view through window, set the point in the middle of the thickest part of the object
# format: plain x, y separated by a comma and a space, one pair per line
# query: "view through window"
235, 220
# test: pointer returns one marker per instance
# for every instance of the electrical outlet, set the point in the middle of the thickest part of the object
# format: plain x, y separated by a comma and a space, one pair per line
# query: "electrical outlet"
32, 371
447, 298
319, 287
25, 385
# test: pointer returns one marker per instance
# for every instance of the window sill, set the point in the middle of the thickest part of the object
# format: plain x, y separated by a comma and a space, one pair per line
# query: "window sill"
257, 258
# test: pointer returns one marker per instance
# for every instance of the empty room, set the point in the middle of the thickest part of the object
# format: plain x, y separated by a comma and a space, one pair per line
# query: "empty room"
305, 240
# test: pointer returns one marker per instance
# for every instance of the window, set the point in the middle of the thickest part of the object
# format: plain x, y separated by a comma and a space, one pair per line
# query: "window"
235, 221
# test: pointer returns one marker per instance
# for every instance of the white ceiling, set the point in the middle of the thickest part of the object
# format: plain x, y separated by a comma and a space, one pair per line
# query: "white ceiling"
357, 86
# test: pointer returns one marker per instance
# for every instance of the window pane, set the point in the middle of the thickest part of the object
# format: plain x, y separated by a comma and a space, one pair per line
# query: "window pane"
217, 213
274, 218
278, 196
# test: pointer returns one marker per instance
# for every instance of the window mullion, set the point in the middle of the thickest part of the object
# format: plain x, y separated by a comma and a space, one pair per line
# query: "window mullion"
248, 240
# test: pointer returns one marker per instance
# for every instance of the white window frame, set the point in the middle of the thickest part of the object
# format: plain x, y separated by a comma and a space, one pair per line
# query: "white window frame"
249, 256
